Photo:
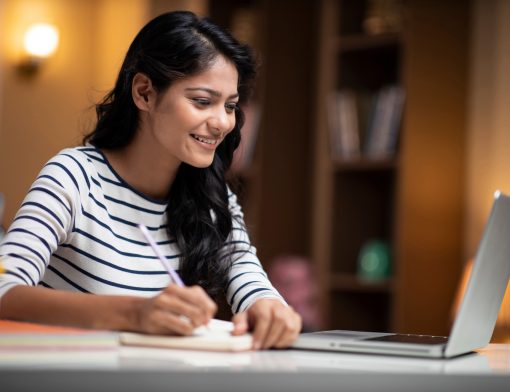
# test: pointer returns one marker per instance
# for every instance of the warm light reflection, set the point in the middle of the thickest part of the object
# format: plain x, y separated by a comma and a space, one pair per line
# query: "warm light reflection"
502, 330
41, 40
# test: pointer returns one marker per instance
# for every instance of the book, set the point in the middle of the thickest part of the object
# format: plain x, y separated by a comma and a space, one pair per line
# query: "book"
217, 336
384, 126
343, 124
25, 336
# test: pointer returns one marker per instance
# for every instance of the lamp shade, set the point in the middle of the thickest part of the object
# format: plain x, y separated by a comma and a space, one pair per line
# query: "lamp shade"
41, 40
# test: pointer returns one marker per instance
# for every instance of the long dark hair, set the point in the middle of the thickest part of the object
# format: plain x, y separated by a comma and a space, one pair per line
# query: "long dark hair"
172, 46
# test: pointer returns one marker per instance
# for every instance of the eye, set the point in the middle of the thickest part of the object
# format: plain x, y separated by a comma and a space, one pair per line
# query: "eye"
201, 101
231, 107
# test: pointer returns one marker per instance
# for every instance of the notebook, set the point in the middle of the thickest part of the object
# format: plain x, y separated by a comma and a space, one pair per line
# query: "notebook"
475, 320
216, 336
16, 335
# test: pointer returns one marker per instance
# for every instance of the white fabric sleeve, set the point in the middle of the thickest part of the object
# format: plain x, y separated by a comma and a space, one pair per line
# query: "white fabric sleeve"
248, 281
43, 221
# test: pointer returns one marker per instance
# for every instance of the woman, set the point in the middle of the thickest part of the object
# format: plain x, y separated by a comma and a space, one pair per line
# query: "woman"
164, 139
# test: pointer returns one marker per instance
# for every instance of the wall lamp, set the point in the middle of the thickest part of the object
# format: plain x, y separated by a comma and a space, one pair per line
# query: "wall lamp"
40, 42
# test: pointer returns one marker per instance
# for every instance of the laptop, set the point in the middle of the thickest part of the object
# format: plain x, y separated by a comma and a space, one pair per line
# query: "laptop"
475, 320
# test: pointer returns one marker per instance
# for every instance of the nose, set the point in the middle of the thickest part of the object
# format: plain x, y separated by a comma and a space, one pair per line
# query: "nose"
221, 121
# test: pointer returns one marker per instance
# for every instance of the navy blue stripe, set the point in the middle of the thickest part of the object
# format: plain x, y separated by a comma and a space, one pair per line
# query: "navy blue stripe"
40, 189
44, 284
92, 217
66, 170
17, 276
241, 274
52, 179
248, 295
66, 279
87, 148
33, 218
137, 255
117, 201
238, 242
26, 274
27, 248
126, 222
247, 262
43, 241
44, 208
96, 182
15, 256
96, 158
243, 251
113, 182
114, 266
85, 176
238, 289
108, 282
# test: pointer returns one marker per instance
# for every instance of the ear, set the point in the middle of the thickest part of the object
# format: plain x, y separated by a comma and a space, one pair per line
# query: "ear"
142, 91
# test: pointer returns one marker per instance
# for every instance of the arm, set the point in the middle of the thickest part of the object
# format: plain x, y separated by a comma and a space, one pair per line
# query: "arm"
257, 305
248, 281
160, 314
44, 221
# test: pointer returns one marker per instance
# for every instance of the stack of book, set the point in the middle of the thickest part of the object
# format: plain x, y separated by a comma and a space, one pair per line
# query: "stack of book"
365, 124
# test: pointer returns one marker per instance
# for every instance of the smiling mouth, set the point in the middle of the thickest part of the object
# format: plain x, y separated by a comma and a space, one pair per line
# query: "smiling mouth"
205, 140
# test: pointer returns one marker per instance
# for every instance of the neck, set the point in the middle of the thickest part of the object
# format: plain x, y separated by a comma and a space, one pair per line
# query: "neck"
145, 167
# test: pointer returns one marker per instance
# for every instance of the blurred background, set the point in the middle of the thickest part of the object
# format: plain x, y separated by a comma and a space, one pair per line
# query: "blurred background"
377, 135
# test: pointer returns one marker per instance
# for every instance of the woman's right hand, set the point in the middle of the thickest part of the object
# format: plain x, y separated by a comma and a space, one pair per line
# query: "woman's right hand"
176, 310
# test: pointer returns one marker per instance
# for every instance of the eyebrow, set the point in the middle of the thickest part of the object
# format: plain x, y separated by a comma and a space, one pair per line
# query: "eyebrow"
211, 91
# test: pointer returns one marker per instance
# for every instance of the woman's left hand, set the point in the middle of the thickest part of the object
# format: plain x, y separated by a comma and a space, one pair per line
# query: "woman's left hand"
272, 323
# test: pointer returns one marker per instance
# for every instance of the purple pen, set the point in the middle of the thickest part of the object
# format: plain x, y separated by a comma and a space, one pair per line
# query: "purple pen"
175, 277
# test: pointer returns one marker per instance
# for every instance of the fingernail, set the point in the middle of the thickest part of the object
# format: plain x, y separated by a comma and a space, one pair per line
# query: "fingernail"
256, 345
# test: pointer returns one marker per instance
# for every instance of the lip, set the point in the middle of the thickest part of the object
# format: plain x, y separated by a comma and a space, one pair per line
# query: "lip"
208, 146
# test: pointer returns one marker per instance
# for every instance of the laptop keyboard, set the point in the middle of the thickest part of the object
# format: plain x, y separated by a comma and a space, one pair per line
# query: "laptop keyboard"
409, 338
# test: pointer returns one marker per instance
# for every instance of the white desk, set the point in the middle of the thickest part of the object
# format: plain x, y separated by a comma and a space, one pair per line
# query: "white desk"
129, 369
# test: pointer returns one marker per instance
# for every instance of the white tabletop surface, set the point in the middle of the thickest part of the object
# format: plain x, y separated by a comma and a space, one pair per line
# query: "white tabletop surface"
126, 367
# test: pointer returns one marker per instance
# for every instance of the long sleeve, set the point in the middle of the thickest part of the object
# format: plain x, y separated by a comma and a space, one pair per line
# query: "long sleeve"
43, 221
248, 281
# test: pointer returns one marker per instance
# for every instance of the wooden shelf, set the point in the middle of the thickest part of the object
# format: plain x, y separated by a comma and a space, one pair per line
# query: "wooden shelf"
352, 283
365, 164
411, 201
357, 42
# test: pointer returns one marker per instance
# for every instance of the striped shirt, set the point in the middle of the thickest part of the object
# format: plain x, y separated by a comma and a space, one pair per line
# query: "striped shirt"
77, 230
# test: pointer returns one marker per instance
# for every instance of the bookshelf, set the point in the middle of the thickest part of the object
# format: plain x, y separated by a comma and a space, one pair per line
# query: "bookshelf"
411, 197
275, 191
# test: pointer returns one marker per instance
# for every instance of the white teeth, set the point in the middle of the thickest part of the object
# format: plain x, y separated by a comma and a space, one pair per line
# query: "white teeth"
203, 140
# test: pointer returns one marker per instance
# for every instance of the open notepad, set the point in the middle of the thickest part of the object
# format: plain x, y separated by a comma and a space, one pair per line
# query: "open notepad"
216, 336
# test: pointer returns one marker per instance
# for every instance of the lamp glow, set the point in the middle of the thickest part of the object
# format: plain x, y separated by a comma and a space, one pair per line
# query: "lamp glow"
41, 40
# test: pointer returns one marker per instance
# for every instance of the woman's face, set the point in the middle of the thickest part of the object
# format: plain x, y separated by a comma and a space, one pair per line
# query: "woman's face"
192, 117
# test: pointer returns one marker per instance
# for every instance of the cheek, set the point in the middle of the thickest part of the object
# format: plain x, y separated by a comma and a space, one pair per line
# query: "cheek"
232, 124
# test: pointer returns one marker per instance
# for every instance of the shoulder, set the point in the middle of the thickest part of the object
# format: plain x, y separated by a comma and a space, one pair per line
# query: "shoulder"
83, 155
74, 164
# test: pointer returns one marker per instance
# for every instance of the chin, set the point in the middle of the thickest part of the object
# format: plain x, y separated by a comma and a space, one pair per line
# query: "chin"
200, 163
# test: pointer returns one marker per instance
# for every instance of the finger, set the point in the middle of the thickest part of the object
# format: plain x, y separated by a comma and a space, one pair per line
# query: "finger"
195, 295
279, 326
163, 322
176, 305
240, 321
291, 333
262, 322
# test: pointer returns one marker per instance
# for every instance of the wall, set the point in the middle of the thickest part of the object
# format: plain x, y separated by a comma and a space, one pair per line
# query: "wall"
488, 146
52, 110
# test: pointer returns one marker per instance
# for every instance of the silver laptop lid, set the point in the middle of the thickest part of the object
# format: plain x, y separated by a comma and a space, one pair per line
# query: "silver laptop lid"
479, 309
